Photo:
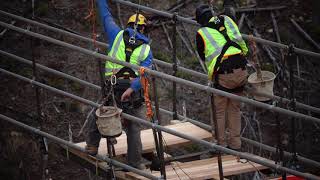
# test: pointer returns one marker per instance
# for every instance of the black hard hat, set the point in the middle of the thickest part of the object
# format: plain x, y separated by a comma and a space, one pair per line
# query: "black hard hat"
203, 14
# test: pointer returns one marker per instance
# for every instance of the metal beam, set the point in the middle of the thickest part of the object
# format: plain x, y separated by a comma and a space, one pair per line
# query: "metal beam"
190, 21
170, 131
157, 61
165, 76
76, 147
195, 122
241, 10
55, 72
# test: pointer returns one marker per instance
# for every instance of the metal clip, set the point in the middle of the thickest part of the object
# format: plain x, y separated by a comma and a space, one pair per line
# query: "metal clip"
113, 80
132, 40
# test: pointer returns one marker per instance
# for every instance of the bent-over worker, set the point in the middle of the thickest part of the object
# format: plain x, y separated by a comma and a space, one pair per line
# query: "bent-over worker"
220, 45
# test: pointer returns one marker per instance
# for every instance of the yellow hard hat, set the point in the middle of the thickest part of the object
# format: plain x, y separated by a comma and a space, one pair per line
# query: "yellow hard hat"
141, 19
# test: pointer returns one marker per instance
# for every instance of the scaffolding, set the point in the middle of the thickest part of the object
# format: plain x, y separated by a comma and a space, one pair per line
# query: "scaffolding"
156, 74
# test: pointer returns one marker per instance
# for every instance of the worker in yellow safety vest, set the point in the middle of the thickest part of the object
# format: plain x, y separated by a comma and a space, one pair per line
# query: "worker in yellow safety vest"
220, 45
132, 46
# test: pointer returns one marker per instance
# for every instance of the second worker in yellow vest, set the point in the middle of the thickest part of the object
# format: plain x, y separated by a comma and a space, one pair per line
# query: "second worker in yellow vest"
220, 45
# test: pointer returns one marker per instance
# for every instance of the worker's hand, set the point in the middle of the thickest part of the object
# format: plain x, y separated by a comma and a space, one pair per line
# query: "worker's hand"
126, 95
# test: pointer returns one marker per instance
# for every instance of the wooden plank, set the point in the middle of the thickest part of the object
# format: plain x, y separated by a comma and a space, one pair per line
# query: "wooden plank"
148, 142
206, 169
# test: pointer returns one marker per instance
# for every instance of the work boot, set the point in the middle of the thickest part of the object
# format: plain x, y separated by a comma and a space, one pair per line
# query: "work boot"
141, 167
91, 150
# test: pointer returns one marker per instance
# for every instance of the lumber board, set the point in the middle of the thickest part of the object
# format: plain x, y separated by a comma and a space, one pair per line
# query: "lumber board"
205, 169
148, 141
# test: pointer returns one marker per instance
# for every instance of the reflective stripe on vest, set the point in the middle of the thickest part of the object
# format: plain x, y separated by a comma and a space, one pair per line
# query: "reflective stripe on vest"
118, 51
215, 41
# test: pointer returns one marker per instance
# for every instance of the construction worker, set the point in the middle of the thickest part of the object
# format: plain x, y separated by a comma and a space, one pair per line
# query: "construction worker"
130, 45
220, 45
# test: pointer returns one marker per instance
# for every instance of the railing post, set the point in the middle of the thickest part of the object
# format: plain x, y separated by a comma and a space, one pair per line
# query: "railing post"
175, 65
214, 131
158, 121
291, 60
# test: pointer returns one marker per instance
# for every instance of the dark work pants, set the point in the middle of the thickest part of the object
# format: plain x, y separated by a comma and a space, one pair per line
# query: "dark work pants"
134, 151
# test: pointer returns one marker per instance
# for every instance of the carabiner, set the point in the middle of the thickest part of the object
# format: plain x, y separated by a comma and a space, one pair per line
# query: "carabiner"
113, 80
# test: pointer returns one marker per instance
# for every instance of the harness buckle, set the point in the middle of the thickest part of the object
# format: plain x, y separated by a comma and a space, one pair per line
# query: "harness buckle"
132, 40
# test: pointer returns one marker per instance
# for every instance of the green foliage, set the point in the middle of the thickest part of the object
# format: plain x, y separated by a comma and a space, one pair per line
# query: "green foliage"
76, 87
162, 56
42, 8
56, 82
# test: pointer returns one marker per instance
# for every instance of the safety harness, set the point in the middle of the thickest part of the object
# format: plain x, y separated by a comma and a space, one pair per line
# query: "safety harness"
123, 79
130, 45
219, 67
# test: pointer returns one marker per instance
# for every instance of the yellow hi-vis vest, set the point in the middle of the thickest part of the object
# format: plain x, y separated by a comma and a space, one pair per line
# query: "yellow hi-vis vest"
214, 42
118, 51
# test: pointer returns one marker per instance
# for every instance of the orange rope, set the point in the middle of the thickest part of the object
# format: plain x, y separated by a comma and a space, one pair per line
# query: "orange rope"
92, 15
145, 86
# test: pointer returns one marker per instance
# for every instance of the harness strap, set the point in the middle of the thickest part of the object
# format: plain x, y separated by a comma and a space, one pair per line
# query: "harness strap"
129, 46
222, 29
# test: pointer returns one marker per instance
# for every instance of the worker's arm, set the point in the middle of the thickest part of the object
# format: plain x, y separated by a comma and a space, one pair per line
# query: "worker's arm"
110, 27
136, 84
200, 47
238, 36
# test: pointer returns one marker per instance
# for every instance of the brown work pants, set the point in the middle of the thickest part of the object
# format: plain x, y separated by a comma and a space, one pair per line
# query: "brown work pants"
228, 111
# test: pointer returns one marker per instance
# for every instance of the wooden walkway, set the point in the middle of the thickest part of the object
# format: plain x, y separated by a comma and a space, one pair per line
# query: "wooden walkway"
148, 141
199, 169
204, 169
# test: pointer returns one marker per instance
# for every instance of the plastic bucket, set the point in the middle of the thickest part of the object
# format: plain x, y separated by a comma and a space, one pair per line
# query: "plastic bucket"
264, 85
109, 121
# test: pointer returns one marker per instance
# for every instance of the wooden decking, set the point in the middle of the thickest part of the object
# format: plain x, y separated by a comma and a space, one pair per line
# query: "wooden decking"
148, 141
204, 169
199, 169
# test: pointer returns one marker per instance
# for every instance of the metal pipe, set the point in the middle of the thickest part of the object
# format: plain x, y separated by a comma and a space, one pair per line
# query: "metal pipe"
304, 34
170, 131
44, 68
161, 13
74, 146
20, 59
215, 132
190, 21
241, 10
159, 133
51, 28
195, 122
157, 61
286, 154
165, 76
175, 65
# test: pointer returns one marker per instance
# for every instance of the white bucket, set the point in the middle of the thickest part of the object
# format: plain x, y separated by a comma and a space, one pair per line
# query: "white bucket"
264, 85
109, 121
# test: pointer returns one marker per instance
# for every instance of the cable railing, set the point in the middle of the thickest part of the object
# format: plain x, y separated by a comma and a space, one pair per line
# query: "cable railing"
264, 162
195, 122
157, 61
